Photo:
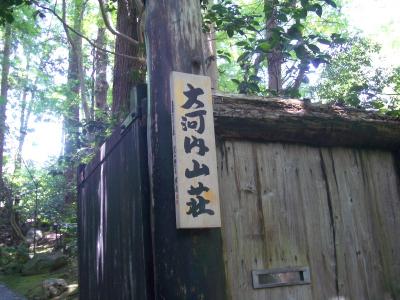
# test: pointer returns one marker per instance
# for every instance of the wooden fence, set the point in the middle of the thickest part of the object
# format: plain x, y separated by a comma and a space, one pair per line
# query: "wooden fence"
301, 186
114, 236
288, 200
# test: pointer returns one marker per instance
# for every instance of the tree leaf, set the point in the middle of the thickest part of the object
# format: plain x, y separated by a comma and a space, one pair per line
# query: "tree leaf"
340, 40
331, 3
324, 41
282, 17
314, 48
304, 3
295, 31
316, 62
264, 47
236, 81
242, 57
317, 9
305, 79
301, 52
226, 57
254, 78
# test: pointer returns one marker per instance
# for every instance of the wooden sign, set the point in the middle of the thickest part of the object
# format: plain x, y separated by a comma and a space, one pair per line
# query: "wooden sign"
196, 179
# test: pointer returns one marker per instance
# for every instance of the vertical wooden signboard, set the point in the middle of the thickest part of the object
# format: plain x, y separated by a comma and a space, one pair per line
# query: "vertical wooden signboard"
196, 181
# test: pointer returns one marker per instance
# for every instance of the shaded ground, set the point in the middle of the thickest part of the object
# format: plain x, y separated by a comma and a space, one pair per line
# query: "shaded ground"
7, 294
31, 286
14, 285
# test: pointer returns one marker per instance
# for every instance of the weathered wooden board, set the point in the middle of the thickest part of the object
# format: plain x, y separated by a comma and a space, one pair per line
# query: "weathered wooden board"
364, 192
297, 121
114, 238
334, 210
195, 160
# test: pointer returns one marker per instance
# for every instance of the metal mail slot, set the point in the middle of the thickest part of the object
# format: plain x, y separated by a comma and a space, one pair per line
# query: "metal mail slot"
280, 277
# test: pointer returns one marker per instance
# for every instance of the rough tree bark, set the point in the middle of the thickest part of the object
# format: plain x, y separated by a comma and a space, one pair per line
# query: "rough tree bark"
71, 119
127, 72
274, 57
82, 87
210, 53
174, 43
5, 69
101, 84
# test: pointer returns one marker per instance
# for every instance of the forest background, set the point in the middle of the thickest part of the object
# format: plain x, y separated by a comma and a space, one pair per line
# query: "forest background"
68, 67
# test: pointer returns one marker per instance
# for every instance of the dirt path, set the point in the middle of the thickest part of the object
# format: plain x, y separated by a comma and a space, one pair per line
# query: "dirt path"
7, 294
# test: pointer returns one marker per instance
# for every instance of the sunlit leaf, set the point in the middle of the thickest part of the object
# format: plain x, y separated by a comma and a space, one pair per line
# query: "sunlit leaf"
265, 47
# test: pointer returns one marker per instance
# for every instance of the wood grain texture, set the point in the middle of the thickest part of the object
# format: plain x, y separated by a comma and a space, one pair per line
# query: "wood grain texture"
332, 209
188, 264
295, 121
114, 238
203, 152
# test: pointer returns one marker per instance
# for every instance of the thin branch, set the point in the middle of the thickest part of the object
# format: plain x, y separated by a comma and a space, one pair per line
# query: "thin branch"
110, 28
93, 44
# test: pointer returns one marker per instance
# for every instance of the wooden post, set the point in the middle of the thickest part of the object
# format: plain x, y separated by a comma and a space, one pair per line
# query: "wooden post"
188, 263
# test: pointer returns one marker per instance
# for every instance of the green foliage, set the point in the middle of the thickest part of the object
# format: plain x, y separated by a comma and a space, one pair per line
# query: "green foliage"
13, 258
262, 28
393, 105
227, 16
48, 188
352, 78
29, 286
8, 7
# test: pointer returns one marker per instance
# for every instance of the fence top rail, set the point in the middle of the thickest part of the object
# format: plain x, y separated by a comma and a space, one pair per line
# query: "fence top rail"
276, 119
101, 155
297, 121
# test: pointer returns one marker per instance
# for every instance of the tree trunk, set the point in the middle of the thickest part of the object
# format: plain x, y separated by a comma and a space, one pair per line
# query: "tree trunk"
82, 87
174, 43
127, 72
71, 119
275, 57
5, 69
101, 84
303, 67
26, 110
210, 53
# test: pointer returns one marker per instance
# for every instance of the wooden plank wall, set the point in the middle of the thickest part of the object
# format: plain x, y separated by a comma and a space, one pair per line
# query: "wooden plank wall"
336, 210
114, 237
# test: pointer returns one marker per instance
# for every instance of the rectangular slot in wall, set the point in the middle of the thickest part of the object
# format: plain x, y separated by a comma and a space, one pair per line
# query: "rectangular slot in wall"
269, 278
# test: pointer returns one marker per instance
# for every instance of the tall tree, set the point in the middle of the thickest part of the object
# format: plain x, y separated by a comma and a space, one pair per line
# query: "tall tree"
26, 110
210, 49
352, 78
5, 69
275, 46
174, 45
127, 72
100, 65
274, 55
71, 119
